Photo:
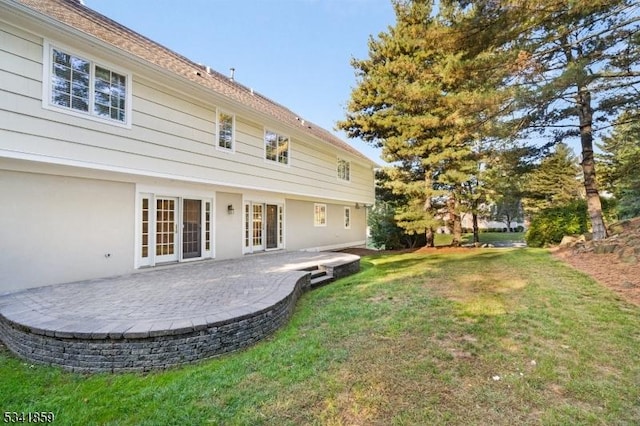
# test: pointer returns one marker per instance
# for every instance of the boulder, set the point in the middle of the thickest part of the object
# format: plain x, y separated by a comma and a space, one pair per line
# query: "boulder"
571, 240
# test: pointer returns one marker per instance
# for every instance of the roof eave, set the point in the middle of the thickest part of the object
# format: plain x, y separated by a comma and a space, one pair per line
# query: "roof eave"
195, 89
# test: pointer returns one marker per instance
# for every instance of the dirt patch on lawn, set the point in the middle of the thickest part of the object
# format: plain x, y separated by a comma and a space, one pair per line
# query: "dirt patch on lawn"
607, 268
614, 261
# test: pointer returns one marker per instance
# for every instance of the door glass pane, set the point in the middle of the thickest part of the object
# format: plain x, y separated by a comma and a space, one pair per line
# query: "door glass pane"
165, 227
145, 227
191, 229
257, 225
247, 222
272, 226
207, 226
280, 226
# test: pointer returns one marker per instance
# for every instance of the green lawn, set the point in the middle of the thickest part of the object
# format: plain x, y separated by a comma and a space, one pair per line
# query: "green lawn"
490, 336
485, 238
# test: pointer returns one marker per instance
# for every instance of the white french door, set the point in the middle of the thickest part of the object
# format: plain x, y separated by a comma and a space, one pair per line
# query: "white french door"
191, 228
263, 227
271, 226
174, 229
257, 230
166, 230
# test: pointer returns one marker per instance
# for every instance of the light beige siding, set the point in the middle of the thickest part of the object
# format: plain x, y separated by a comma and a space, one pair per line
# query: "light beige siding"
228, 227
303, 235
71, 185
61, 229
171, 134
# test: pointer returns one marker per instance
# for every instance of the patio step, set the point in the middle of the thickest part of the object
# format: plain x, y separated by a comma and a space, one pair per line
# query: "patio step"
320, 277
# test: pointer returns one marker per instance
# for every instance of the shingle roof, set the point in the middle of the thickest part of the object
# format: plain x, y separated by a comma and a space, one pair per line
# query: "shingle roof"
82, 18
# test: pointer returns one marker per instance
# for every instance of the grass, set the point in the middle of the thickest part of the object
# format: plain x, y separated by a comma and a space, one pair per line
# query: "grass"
486, 337
485, 238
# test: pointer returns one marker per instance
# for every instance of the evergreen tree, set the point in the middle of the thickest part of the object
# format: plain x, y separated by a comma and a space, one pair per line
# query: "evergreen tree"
577, 66
555, 182
621, 160
422, 98
507, 172
384, 218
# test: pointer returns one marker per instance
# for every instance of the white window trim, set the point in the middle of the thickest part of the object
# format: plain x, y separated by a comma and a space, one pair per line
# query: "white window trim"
46, 85
264, 148
233, 131
281, 228
152, 192
247, 202
326, 219
340, 178
344, 218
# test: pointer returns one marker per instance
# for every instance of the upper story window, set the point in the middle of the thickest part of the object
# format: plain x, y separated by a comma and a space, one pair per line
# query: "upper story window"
344, 169
226, 130
82, 86
276, 147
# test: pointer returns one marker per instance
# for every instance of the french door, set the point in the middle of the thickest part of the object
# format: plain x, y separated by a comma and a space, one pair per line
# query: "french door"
173, 229
257, 227
263, 225
271, 226
191, 228
166, 230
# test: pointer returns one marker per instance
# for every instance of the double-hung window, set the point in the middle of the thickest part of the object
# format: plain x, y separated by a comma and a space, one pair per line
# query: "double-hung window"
319, 215
344, 169
276, 147
226, 129
82, 86
347, 218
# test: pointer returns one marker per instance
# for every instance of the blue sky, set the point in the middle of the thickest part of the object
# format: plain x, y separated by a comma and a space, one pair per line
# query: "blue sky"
296, 52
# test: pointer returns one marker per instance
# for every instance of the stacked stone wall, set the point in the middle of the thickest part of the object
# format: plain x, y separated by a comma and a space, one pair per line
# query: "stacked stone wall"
157, 350
145, 354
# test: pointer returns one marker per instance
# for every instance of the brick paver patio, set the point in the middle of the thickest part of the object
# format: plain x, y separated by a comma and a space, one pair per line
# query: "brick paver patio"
159, 317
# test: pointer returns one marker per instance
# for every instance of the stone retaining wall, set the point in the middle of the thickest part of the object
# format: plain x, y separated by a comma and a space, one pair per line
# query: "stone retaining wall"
341, 270
160, 350
145, 354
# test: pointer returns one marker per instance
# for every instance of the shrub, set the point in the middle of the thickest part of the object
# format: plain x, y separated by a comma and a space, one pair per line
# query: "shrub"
383, 229
550, 225
385, 232
610, 209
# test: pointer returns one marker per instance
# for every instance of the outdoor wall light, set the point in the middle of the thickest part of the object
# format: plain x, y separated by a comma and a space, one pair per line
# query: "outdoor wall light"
230, 209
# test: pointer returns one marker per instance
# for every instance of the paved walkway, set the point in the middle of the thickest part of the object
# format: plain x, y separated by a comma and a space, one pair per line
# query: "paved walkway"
165, 300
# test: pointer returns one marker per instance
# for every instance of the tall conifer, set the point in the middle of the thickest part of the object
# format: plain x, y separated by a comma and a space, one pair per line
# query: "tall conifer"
578, 64
423, 96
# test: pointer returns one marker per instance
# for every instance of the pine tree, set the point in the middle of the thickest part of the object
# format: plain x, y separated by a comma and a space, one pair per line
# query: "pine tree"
577, 66
422, 98
507, 172
394, 209
555, 182
621, 160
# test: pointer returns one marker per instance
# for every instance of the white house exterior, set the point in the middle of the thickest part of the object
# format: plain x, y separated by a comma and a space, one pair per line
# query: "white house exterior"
118, 154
